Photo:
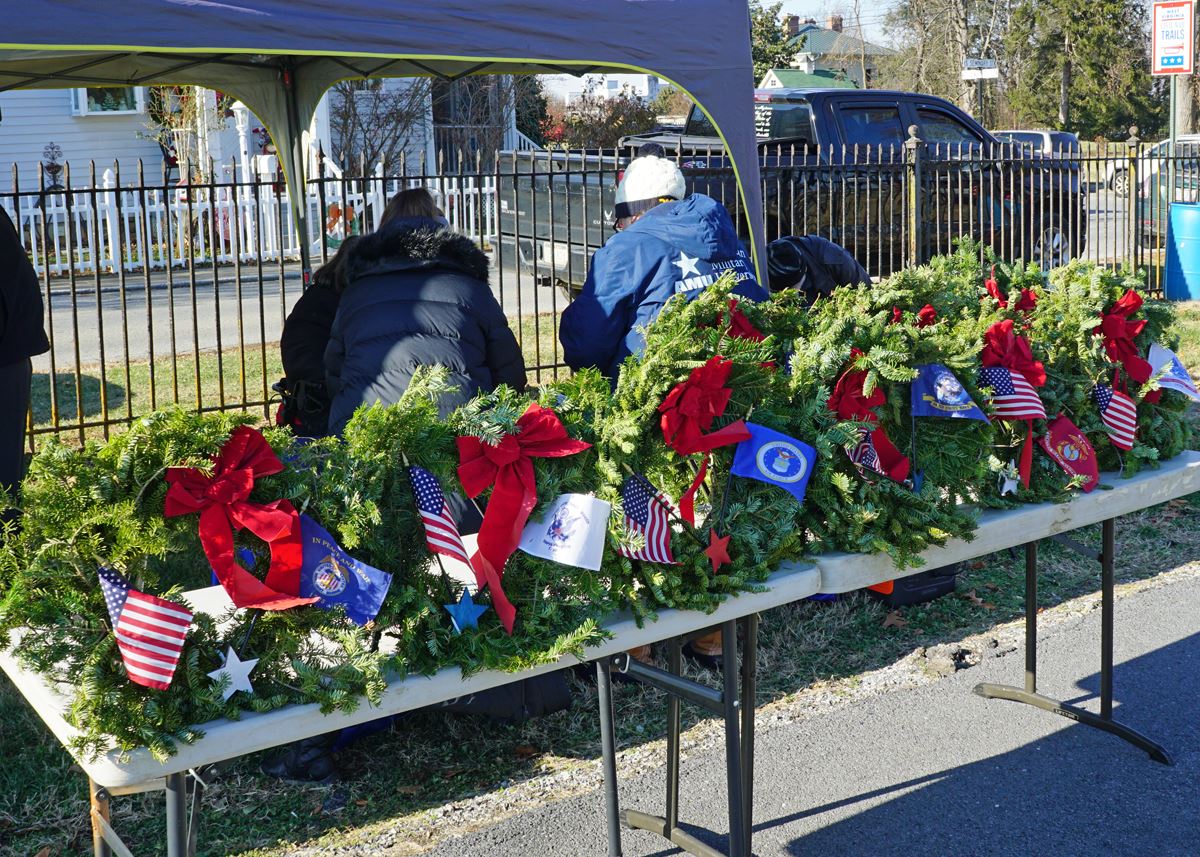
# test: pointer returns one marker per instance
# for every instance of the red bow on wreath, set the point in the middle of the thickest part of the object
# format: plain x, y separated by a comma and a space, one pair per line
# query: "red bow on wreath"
222, 501
1027, 302
1004, 348
1119, 333
507, 468
740, 327
688, 413
849, 402
926, 315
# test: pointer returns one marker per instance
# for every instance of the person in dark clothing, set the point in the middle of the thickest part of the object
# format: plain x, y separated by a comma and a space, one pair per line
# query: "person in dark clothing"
416, 295
812, 265
302, 347
667, 243
22, 336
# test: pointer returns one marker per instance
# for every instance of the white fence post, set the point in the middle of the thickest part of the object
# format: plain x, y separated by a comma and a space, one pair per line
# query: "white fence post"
110, 223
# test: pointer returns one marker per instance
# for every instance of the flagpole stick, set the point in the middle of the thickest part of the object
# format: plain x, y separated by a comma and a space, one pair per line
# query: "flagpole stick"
254, 614
445, 577
687, 528
728, 481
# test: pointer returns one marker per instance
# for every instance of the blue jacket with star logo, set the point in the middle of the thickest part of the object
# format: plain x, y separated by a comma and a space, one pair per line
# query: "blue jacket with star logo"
677, 247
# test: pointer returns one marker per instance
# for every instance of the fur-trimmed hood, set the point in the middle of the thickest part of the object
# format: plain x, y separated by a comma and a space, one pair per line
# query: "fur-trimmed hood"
415, 243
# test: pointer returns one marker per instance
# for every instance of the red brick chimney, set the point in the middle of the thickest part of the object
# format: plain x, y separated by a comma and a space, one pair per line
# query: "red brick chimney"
834, 23
792, 25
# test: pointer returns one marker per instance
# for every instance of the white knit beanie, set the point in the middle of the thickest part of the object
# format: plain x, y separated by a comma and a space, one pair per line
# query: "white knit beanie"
648, 181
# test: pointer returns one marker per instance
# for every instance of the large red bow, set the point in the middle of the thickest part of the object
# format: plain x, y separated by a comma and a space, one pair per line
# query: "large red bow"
222, 501
692, 405
1003, 347
849, 402
1119, 333
740, 327
508, 466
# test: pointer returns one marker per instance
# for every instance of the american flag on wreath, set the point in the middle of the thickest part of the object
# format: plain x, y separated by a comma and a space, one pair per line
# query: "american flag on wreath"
864, 454
1013, 397
150, 631
646, 513
1119, 415
441, 533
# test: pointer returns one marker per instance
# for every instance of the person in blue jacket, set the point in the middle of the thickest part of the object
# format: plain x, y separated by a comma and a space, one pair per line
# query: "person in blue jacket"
667, 243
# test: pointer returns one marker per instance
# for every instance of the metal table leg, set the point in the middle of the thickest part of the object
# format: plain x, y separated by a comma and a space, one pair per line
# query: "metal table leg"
98, 798
736, 709
608, 749
1029, 695
177, 834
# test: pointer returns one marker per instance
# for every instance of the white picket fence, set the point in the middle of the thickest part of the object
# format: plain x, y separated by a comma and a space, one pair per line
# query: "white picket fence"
108, 228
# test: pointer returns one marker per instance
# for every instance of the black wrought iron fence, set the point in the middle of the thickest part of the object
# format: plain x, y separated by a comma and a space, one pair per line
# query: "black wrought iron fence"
164, 293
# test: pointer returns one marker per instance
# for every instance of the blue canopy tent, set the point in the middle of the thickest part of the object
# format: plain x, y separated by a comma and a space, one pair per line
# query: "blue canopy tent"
280, 56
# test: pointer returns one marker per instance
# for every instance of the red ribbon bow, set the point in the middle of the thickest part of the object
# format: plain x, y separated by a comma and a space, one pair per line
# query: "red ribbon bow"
691, 407
740, 327
507, 468
223, 504
1119, 333
926, 315
849, 402
1003, 347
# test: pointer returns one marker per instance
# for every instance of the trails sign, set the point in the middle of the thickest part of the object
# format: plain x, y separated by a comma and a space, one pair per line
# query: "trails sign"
1171, 30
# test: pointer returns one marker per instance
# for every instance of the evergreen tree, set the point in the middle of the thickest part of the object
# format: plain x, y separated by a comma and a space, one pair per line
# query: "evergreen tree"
770, 46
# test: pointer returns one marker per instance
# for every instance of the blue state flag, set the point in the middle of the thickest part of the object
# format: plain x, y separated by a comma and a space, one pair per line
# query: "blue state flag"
335, 577
937, 393
769, 456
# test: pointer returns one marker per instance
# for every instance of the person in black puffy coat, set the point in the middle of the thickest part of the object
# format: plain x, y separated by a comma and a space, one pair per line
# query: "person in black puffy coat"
22, 336
416, 295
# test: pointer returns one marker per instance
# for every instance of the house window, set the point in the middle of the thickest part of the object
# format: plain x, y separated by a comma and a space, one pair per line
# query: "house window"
108, 100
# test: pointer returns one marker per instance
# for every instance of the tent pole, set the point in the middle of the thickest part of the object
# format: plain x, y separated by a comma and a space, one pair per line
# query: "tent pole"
299, 193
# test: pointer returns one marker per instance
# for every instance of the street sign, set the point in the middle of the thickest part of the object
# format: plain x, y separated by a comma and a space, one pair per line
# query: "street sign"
981, 73
1171, 31
971, 62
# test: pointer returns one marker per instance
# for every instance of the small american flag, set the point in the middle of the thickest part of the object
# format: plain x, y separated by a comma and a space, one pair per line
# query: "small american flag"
441, 533
1013, 397
1119, 415
646, 513
149, 630
864, 454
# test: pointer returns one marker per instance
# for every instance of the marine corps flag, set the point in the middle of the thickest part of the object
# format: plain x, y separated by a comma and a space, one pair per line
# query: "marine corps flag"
1070, 449
769, 456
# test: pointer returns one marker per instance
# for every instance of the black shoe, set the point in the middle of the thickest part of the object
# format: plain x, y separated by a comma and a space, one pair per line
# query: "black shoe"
709, 662
307, 761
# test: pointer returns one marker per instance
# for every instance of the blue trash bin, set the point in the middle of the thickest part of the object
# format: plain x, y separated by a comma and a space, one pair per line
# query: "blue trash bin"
1183, 252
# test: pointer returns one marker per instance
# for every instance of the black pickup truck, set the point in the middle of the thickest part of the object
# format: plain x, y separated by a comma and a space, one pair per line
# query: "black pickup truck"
833, 162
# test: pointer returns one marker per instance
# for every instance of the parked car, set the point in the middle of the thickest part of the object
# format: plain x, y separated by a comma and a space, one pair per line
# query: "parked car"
1053, 144
1116, 171
832, 163
1154, 182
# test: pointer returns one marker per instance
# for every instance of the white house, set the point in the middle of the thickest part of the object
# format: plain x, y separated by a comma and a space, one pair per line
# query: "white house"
96, 124
831, 49
568, 88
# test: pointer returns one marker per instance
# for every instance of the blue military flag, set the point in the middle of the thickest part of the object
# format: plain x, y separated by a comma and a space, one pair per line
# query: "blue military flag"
769, 456
335, 577
937, 393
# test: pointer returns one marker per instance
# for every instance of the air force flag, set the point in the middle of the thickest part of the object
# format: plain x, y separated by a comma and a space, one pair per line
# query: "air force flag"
769, 456
331, 574
937, 393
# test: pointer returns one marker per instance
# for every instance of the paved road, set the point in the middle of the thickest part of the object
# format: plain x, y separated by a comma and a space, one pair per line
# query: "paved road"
937, 771
148, 314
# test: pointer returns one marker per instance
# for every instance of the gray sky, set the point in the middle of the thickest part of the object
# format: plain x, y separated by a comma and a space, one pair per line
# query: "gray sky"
873, 13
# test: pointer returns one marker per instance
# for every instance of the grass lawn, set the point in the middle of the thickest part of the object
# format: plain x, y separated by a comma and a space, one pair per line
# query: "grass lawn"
430, 759
238, 378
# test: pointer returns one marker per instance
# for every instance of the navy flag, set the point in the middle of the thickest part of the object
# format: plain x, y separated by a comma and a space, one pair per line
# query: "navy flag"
335, 577
937, 393
769, 456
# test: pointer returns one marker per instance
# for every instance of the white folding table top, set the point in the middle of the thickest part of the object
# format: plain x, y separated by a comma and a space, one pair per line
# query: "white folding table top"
1002, 529
227, 739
